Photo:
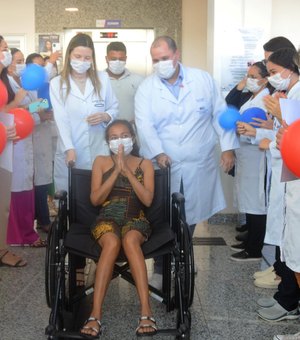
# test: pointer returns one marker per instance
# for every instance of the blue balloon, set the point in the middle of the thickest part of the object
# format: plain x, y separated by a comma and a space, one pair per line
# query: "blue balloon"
43, 92
33, 77
253, 112
228, 118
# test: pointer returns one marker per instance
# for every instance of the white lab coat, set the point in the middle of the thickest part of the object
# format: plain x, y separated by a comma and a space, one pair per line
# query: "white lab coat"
276, 209
250, 169
290, 247
125, 88
22, 176
74, 132
187, 130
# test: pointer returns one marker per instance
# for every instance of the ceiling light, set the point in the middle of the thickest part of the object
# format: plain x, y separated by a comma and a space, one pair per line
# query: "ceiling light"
71, 9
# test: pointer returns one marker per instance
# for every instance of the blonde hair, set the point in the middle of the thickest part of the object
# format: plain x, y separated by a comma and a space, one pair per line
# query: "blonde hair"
83, 40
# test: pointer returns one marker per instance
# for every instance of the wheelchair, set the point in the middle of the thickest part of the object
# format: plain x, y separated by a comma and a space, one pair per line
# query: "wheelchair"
69, 242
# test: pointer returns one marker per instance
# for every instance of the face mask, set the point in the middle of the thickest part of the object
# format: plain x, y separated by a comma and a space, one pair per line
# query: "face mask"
252, 85
80, 66
127, 142
19, 69
279, 83
116, 66
164, 69
6, 61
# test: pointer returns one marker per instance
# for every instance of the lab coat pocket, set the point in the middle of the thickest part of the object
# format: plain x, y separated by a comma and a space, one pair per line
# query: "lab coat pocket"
203, 106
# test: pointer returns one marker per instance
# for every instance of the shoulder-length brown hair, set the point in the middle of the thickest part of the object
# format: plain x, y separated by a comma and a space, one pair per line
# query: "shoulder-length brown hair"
82, 40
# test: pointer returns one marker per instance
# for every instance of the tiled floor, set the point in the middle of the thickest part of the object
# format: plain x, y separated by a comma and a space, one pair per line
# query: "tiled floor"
224, 306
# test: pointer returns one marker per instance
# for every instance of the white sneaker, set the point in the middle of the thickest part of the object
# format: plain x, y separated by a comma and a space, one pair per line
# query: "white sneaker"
270, 281
287, 337
156, 281
277, 313
266, 302
262, 273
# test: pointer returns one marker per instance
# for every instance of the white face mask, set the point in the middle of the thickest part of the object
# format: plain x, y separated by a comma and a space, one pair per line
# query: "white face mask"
127, 142
164, 69
6, 61
116, 66
19, 69
279, 83
252, 85
80, 66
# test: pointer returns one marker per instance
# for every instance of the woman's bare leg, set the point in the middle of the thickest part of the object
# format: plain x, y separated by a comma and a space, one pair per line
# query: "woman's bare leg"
110, 245
131, 243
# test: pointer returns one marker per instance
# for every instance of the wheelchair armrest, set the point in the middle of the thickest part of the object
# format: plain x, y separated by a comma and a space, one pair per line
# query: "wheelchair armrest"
60, 195
178, 197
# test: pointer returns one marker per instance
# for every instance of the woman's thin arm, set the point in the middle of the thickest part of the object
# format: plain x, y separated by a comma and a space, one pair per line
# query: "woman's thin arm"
99, 190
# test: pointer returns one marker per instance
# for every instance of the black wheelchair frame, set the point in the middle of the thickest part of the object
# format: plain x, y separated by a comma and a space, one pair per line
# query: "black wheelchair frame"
69, 240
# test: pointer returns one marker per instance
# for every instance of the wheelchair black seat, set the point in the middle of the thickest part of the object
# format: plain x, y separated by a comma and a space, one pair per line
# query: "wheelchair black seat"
83, 213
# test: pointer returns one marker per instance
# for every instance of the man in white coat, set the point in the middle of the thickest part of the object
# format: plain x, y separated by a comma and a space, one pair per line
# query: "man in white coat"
177, 111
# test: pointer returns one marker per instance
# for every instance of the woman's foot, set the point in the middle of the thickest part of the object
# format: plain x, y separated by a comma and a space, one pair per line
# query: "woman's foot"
9, 259
39, 243
92, 326
146, 327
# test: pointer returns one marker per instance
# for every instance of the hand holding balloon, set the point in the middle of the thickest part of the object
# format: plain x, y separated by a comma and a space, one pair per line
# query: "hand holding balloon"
246, 129
2, 137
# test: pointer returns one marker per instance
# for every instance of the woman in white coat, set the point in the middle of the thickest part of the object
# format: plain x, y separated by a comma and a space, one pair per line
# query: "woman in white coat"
21, 215
83, 104
250, 173
284, 77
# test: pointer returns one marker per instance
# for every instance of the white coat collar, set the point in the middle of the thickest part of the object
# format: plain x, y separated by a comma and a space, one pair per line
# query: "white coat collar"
165, 92
75, 90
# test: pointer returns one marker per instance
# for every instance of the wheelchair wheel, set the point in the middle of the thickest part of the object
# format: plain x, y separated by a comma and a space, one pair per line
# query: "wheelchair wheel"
189, 266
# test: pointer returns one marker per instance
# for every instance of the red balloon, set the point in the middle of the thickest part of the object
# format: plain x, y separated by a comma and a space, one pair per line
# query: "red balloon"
23, 121
3, 94
2, 137
290, 148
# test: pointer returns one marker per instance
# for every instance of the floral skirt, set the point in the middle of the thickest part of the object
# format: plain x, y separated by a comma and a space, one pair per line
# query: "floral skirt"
113, 218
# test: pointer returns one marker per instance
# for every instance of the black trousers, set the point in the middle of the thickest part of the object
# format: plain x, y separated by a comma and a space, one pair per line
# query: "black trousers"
288, 293
41, 204
256, 234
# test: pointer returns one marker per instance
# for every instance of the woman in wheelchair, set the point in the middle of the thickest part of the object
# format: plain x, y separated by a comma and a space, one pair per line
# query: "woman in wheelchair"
123, 185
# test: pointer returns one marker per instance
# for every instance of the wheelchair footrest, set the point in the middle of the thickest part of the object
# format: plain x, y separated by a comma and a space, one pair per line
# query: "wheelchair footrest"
168, 331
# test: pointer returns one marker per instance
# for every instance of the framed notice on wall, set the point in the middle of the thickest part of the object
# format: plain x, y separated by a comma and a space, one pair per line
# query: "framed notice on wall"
48, 43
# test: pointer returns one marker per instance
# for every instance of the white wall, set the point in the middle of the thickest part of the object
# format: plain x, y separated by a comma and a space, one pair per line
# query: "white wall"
17, 19
194, 33
285, 20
